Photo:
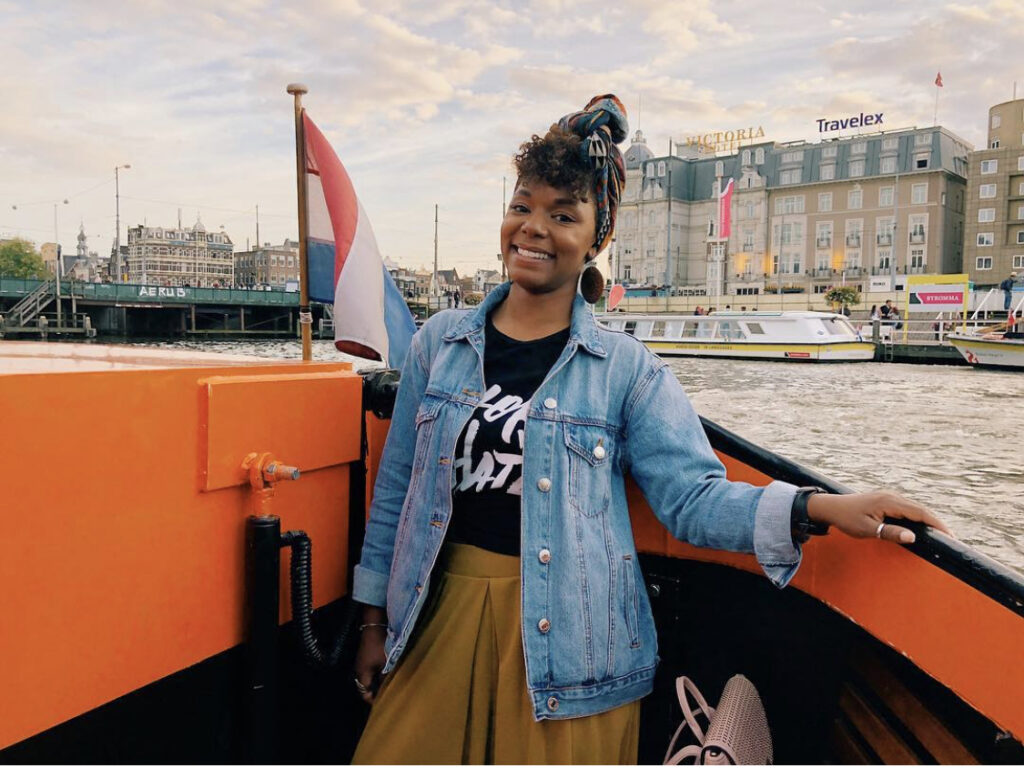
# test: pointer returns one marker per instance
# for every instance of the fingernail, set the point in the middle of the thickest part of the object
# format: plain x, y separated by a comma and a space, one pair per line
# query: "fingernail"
907, 537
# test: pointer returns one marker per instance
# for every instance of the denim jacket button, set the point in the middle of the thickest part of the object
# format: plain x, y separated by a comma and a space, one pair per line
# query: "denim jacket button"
544, 484
599, 452
544, 625
553, 704
544, 556
551, 403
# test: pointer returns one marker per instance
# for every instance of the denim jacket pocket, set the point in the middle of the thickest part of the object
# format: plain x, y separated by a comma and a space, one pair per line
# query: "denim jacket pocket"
631, 601
591, 451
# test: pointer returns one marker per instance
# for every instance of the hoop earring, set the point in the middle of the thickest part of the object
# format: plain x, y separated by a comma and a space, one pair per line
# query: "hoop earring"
591, 283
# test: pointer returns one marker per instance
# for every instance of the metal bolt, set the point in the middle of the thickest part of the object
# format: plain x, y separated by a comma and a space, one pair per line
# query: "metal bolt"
654, 589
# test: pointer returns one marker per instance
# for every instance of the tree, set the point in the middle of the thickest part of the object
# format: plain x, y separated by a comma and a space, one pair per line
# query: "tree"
19, 259
844, 296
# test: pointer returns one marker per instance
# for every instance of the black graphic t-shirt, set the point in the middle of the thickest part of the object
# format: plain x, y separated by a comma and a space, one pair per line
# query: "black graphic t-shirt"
488, 468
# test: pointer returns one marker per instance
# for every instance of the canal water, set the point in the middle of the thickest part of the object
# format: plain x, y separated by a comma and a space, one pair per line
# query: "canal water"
950, 438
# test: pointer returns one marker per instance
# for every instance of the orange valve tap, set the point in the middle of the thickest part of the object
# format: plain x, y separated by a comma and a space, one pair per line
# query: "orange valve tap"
264, 471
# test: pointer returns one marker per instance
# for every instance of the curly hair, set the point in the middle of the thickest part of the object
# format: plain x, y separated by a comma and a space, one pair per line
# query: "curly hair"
555, 159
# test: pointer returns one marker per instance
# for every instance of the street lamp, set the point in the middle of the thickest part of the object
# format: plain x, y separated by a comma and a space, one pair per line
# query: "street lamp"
116, 277
58, 267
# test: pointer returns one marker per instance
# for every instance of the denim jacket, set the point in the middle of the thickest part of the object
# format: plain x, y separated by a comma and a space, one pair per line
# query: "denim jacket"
607, 407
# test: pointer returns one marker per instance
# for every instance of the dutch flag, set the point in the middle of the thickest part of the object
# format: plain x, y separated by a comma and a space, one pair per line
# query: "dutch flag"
371, 318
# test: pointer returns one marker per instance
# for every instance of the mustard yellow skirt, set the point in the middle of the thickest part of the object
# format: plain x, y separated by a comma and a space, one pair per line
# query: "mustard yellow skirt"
458, 695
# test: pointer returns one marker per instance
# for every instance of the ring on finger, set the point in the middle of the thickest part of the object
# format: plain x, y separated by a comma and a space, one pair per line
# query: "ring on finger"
359, 686
878, 531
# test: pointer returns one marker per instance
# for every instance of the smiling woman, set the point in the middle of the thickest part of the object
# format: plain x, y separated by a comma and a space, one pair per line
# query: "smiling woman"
505, 619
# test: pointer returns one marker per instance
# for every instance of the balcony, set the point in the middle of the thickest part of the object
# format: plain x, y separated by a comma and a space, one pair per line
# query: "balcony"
917, 238
853, 270
853, 241
883, 239
823, 242
821, 272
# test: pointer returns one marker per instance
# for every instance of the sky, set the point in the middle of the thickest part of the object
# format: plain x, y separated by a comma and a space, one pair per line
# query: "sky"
425, 101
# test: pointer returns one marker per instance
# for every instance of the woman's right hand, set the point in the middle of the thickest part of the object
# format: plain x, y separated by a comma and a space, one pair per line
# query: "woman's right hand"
370, 657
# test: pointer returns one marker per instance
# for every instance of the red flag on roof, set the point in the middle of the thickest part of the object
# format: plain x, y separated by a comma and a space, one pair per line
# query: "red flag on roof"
938, 79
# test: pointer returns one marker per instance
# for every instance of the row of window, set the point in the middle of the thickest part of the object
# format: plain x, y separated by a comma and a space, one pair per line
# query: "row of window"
994, 144
854, 200
854, 169
275, 261
987, 215
160, 234
992, 166
985, 262
988, 191
988, 239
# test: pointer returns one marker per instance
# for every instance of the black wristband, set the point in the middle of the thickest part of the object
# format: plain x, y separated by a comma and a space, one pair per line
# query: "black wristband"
800, 524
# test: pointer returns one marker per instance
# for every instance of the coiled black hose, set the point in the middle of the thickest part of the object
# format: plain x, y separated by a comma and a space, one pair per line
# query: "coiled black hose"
302, 603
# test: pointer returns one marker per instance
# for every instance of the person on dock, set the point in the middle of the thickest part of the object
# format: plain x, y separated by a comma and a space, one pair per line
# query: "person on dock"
1007, 288
505, 618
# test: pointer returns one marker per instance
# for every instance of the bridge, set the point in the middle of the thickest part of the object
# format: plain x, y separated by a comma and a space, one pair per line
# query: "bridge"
42, 308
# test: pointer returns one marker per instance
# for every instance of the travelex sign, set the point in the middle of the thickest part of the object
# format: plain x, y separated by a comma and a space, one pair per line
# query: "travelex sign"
855, 121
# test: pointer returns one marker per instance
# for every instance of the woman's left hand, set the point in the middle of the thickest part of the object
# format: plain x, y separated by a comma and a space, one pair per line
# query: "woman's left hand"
860, 514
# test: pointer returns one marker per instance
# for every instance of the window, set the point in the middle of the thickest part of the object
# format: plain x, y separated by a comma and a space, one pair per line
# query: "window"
1020, 160
989, 166
1020, 188
661, 168
887, 165
650, 170
824, 202
884, 197
856, 168
755, 328
884, 256
883, 231
1018, 262
994, 144
987, 191
828, 172
923, 140
889, 143
791, 176
751, 210
985, 239
829, 151
919, 228
1020, 211
996, 121
984, 262
823, 234
855, 199
748, 240
919, 194
792, 204
658, 329
792, 157
986, 214
759, 156
1020, 237
858, 148
746, 157
719, 168
920, 161
854, 228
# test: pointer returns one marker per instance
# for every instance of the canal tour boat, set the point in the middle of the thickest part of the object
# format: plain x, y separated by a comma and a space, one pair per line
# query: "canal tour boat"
990, 350
797, 336
181, 532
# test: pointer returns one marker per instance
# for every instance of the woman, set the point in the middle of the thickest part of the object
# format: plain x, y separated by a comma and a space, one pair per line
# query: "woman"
516, 628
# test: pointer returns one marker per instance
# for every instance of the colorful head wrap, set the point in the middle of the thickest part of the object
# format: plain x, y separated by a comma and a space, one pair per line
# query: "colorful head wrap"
602, 124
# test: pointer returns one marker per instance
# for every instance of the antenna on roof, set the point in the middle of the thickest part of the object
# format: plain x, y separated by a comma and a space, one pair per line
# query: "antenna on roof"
639, 110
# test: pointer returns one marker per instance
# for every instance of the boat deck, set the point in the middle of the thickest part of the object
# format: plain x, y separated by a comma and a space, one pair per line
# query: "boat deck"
19, 357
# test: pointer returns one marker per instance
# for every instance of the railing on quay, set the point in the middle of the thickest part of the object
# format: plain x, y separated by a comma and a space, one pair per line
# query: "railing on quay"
151, 294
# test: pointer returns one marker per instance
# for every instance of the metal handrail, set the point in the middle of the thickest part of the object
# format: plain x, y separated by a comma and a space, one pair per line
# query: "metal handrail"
26, 310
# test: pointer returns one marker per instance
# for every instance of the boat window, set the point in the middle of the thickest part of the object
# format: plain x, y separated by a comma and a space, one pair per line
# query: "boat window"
630, 327
689, 329
674, 330
658, 329
755, 328
837, 326
643, 329
729, 329
705, 329
614, 325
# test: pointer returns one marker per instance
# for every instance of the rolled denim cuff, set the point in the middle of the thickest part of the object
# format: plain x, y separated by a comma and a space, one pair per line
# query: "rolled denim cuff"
370, 587
773, 536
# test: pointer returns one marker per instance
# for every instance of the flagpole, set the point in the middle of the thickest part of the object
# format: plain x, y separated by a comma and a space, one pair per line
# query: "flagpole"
935, 115
305, 316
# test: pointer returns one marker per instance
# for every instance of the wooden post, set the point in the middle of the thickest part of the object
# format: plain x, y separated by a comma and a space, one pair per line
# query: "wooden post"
305, 316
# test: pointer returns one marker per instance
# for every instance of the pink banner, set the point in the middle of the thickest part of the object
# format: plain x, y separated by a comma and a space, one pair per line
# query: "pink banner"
725, 211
